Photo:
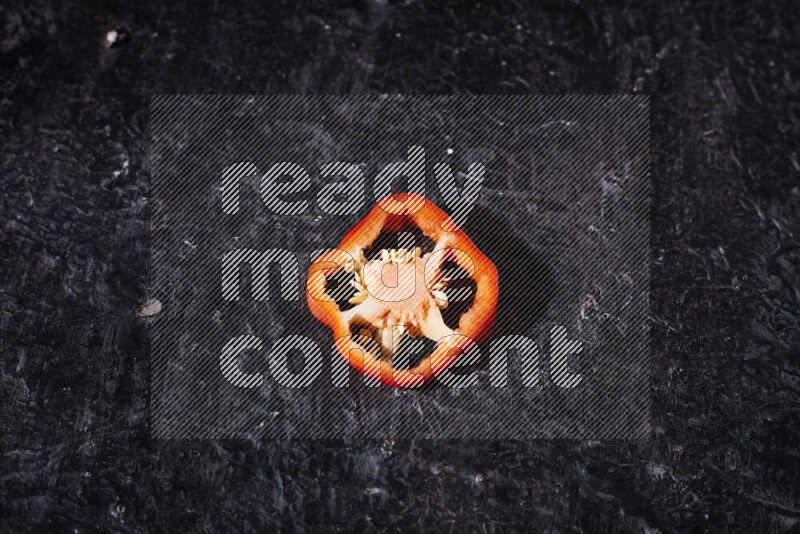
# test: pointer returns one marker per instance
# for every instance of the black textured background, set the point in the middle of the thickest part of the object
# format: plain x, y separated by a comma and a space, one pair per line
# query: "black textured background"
74, 378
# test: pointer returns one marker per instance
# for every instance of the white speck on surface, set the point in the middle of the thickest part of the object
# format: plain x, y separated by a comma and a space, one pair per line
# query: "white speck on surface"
449, 151
150, 308
656, 471
111, 38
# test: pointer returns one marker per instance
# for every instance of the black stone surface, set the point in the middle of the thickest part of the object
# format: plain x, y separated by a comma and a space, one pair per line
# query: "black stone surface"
75, 451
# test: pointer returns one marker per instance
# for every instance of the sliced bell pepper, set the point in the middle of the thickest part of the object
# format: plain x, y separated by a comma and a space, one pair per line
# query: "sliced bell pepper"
401, 292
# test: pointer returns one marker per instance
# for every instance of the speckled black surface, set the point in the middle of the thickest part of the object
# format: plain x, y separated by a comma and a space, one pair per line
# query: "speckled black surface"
74, 431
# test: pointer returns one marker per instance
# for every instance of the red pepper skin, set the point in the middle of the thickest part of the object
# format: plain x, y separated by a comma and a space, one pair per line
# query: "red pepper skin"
392, 215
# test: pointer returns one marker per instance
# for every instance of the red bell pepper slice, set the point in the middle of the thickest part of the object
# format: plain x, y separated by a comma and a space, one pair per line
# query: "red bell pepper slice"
411, 300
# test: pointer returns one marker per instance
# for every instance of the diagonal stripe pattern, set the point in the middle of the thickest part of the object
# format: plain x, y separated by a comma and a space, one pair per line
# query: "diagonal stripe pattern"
248, 191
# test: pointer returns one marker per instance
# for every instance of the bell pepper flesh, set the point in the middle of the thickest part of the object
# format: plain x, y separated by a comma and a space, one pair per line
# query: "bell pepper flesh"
401, 292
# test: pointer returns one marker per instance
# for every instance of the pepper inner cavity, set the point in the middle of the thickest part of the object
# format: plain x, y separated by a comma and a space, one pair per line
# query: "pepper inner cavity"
392, 298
